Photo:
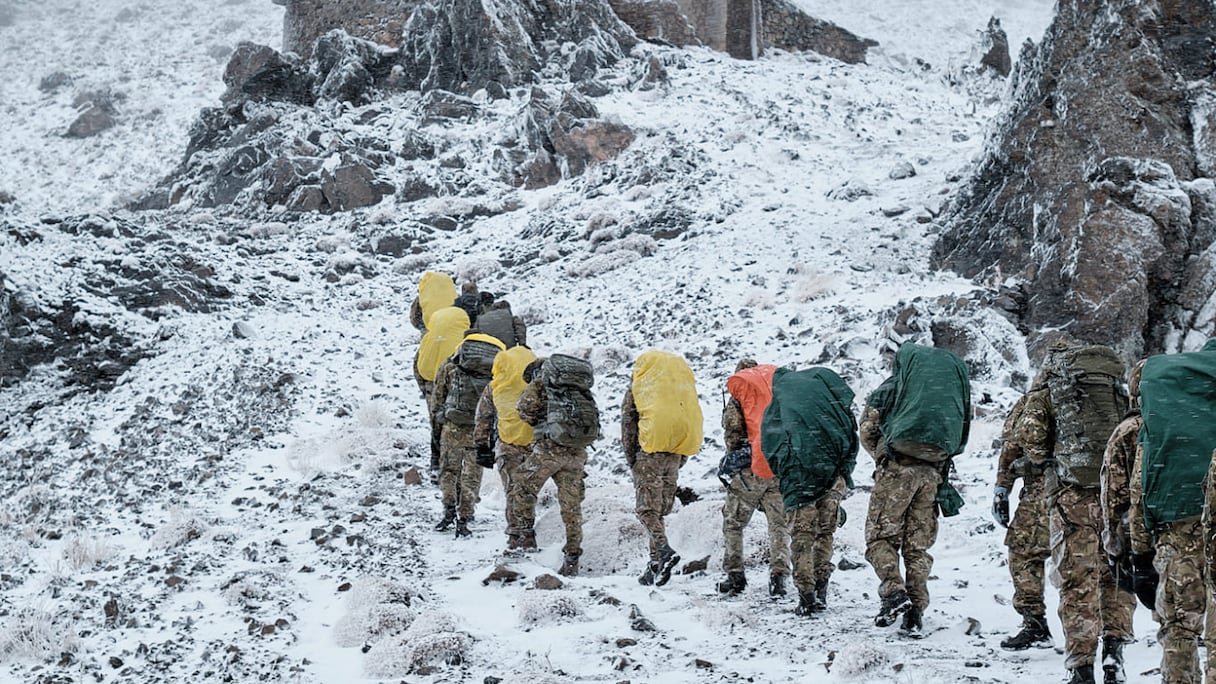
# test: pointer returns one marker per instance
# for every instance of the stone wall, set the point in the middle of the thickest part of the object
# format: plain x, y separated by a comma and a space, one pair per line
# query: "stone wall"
786, 27
380, 21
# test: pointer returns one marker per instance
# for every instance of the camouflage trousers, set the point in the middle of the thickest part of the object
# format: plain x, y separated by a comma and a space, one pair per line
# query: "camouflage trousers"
902, 520
744, 496
1029, 542
428, 389
829, 521
1183, 604
566, 466
654, 483
1090, 603
459, 474
511, 458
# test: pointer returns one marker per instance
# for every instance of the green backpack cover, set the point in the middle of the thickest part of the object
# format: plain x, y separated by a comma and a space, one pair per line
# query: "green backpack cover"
809, 434
1178, 405
1085, 384
925, 404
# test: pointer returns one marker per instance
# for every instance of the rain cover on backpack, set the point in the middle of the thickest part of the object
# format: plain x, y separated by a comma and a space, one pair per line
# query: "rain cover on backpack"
753, 389
435, 291
498, 323
925, 404
1178, 405
572, 418
443, 336
669, 412
505, 388
1087, 398
474, 362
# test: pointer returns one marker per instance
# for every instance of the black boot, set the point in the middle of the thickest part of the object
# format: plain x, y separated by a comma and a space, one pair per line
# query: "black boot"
462, 528
734, 583
821, 594
449, 517
776, 585
892, 607
647, 578
1112, 661
569, 566
667, 561
912, 626
1082, 674
1034, 633
806, 605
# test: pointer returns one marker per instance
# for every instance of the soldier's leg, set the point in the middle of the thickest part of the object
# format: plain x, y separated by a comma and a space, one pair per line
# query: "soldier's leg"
828, 509
451, 459
889, 502
571, 489
803, 523
736, 514
1028, 540
470, 482
510, 459
1075, 554
920, 533
1180, 601
648, 473
529, 480
778, 535
670, 475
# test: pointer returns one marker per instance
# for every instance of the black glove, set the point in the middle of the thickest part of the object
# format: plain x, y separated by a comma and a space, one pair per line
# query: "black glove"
485, 457
1121, 571
1144, 579
1000, 505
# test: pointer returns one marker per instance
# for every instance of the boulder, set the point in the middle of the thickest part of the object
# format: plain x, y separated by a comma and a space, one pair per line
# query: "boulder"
259, 73
1082, 193
353, 185
347, 68
378, 21
97, 113
565, 138
996, 49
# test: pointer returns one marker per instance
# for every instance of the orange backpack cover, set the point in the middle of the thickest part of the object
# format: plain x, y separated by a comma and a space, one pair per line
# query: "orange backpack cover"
753, 389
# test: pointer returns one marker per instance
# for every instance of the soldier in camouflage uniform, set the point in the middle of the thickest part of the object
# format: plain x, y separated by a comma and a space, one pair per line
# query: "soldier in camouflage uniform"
654, 483
744, 495
1027, 538
566, 466
510, 459
829, 513
1090, 603
459, 473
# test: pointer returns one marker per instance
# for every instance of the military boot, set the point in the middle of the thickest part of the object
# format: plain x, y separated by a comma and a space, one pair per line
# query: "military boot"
449, 517
892, 607
647, 578
1112, 661
806, 604
1034, 633
462, 528
776, 585
1082, 674
667, 562
734, 583
821, 594
570, 566
912, 625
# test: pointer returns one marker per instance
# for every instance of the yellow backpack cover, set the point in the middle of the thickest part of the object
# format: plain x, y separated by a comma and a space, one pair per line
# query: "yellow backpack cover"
443, 336
669, 413
506, 386
435, 291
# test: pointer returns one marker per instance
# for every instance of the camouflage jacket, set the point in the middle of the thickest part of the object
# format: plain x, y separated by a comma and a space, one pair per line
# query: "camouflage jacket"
443, 384
1011, 450
1142, 540
533, 404
629, 428
485, 423
734, 427
1034, 431
1117, 465
871, 432
416, 315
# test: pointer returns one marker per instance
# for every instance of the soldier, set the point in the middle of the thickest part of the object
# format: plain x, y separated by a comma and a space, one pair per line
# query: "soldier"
1118, 463
1027, 538
447, 328
831, 518
747, 491
913, 425
1065, 425
558, 404
500, 432
435, 291
459, 385
811, 437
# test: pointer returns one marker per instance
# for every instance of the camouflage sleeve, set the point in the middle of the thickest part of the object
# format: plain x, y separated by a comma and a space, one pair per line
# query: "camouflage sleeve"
1035, 426
417, 376
871, 432
1116, 495
443, 380
1010, 449
485, 420
531, 406
416, 315
1209, 520
734, 427
1142, 541
629, 428
521, 330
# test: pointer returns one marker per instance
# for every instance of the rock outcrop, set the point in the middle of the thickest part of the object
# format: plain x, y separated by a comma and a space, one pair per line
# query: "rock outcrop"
996, 48
1093, 189
379, 21
786, 27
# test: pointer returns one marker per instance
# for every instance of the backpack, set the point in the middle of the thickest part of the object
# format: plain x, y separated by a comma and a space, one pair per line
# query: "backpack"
1177, 452
669, 411
506, 387
1087, 398
444, 333
499, 323
572, 419
435, 291
753, 389
925, 405
474, 363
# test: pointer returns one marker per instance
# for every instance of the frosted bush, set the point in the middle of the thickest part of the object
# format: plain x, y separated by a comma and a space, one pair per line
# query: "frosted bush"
613, 539
759, 299
609, 358
404, 656
859, 659
368, 623
382, 216
643, 245
607, 234
542, 607
36, 634
247, 591
304, 456
266, 230
344, 261
532, 313
696, 529
332, 243
476, 269
601, 264
413, 263
374, 415
183, 527
431, 622
812, 286
600, 227
369, 591
30, 503
80, 552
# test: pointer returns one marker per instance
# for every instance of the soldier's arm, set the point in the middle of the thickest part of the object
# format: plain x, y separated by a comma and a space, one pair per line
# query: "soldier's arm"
1115, 495
416, 315
531, 405
734, 427
1010, 450
629, 428
485, 420
870, 432
443, 379
521, 330
1142, 541
1035, 427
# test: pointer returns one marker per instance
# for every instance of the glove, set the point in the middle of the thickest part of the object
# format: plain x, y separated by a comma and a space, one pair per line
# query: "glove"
1144, 579
1000, 505
1121, 571
485, 457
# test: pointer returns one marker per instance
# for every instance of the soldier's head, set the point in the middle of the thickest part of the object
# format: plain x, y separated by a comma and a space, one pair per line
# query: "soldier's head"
533, 368
468, 288
744, 364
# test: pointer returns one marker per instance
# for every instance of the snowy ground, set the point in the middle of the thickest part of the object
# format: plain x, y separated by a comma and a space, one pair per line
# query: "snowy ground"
234, 508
